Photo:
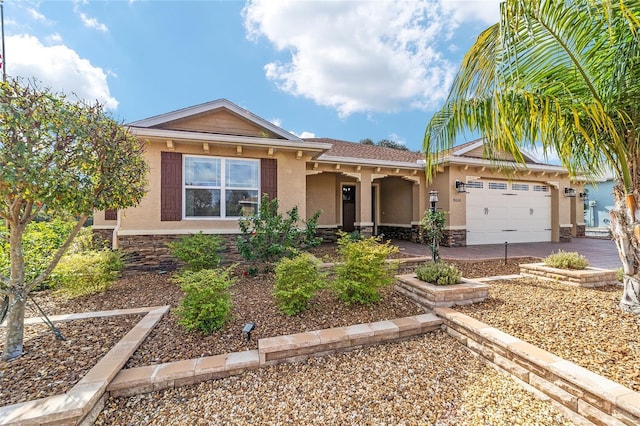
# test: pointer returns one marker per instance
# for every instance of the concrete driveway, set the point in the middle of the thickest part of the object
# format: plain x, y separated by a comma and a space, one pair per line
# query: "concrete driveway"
600, 253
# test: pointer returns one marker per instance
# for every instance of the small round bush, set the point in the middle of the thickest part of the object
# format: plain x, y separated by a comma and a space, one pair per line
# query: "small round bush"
362, 272
297, 281
439, 273
566, 260
197, 251
206, 305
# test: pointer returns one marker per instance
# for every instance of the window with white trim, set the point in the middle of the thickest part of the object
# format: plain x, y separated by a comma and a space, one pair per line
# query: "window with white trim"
475, 184
519, 187
217, 187
498, 185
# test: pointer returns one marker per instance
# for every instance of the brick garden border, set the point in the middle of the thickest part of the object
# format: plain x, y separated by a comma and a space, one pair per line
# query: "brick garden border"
586, 394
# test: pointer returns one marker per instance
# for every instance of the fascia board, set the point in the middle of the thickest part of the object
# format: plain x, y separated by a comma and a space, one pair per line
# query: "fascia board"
482, 162
209, 106
369, 162
197, 137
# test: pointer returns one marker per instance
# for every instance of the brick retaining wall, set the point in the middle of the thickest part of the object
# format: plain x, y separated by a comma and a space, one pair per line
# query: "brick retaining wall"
582, 392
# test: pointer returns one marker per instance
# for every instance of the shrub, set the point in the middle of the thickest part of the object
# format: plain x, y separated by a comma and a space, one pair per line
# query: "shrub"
297, 281
206, 305
363, 271
439, 273
80, 274
433, 230
268, 236
620, 275
566, 260
198, 251
40, 242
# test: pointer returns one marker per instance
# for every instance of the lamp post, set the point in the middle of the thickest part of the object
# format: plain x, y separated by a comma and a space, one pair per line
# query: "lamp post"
433, 199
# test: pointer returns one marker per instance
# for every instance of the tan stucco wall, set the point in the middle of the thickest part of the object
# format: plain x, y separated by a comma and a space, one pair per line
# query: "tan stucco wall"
146, 217
396, 201
321, 194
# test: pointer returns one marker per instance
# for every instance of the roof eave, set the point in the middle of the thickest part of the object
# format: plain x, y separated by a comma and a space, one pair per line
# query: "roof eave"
369, 162
220, 139
454, 160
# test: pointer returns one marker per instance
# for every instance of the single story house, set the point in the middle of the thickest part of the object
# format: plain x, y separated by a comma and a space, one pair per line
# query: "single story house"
599, 201
210, 164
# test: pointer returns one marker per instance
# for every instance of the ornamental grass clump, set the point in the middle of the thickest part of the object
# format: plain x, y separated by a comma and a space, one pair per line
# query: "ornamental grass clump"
439, 273
362, 271
566, 260
206, 304
297, 281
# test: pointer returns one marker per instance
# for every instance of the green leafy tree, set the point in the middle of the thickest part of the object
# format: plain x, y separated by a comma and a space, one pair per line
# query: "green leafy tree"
564, 74
59, 159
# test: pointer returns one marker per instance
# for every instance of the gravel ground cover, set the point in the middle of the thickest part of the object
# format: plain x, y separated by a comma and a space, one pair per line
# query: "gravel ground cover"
427, 380
50, 367
581, 325
445, 383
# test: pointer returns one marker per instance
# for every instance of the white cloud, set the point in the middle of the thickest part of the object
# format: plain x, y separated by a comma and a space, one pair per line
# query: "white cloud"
304, 135
276, 121
58, 67
485, 11
396, 138
360, 56
92, 23
54, 38
36, 15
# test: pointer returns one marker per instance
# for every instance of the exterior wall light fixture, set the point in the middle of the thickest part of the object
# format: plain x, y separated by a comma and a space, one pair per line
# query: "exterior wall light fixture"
461, 186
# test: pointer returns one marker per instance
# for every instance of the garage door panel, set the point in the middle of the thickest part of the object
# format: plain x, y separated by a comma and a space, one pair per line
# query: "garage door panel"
499, 211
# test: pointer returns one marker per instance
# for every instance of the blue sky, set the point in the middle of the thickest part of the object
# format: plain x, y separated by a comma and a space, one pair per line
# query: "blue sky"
339, 69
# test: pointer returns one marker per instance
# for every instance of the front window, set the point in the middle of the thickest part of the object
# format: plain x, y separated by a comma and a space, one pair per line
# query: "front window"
220, 187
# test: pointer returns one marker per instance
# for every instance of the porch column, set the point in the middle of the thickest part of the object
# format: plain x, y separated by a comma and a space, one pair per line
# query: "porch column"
419, 206
364, 214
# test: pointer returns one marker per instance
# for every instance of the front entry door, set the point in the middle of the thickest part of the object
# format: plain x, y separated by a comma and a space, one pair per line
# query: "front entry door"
348, 208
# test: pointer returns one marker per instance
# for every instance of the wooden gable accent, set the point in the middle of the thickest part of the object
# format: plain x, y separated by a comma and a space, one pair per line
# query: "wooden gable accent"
269, 177
171, 186
219, 121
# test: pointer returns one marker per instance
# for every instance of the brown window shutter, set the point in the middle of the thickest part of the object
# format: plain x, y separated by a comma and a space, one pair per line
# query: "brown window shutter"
269, 177
111, 214
171, 186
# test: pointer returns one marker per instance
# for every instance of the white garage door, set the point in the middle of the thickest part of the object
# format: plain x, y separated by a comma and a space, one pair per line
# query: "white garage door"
515, 212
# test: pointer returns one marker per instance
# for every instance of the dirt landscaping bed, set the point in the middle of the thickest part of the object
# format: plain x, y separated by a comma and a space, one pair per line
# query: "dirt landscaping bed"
582, 325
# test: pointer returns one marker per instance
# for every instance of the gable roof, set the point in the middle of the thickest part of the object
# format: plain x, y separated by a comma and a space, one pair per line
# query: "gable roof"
475, 149
355, 152
165, 120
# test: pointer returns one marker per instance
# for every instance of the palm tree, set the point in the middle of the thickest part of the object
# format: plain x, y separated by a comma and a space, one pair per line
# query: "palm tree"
564, 74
